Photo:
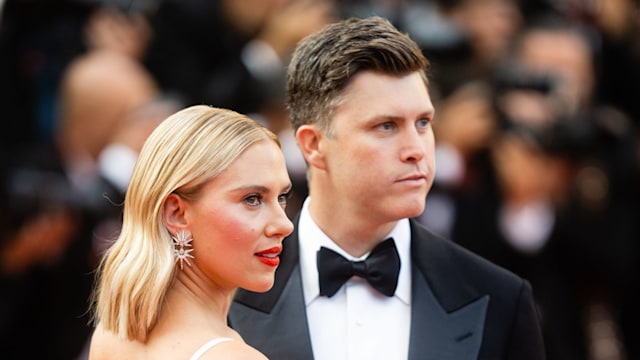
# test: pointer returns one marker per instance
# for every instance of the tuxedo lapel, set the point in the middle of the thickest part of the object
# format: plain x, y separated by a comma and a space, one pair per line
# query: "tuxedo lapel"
447, 318
282, 333
438, 335
276, 321
434, 257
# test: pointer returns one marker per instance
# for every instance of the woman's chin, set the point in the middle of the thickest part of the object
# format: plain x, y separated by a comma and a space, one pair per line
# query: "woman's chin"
262, 286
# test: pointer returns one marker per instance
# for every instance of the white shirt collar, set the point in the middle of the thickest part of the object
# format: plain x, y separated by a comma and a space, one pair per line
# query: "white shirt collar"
311, 238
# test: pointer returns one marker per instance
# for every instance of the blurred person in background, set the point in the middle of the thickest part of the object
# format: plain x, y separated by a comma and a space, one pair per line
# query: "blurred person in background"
557, 180
38, 38
618, 23
229, 53
60, 193
598, 142
480, 32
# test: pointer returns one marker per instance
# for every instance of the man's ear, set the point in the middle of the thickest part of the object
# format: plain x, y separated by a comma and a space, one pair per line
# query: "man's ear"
173, 212
310, 139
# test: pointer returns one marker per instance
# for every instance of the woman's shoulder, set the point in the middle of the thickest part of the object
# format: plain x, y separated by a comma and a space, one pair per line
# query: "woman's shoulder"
107, 345
227, 348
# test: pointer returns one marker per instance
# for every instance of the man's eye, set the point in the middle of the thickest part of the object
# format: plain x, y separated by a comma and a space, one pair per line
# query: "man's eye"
423, 123
253, 200
387, 126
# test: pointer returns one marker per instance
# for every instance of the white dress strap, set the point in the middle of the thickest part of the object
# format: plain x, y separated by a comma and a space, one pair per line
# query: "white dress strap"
208, 346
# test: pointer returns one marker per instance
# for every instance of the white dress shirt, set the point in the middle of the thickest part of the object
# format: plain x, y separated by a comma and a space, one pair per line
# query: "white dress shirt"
358, 322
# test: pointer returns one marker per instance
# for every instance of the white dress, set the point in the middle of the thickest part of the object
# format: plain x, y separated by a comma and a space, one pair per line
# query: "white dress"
208, 346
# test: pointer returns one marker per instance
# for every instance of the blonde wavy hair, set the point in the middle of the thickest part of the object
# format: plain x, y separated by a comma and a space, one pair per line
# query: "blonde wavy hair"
183, 153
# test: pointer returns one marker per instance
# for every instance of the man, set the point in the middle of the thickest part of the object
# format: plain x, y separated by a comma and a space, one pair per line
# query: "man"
361, 111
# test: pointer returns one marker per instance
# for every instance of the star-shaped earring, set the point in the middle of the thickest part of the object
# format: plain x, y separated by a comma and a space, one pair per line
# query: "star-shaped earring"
181, 241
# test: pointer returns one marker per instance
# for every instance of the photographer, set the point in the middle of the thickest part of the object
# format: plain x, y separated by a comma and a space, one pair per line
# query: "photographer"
545, 186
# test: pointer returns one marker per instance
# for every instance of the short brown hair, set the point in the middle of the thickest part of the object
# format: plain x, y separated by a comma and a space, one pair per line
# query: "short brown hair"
324, 63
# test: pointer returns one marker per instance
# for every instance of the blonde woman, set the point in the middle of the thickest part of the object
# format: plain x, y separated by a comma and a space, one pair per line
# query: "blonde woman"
203, 215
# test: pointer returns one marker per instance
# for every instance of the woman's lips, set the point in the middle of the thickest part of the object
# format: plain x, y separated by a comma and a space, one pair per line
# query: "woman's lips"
270, 256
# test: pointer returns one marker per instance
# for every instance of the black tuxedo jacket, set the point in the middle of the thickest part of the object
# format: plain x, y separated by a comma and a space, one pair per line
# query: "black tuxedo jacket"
463, 307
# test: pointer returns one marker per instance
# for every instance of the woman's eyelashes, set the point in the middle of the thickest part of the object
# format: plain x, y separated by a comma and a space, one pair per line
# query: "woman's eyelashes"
284, 197
257, 199
253, 199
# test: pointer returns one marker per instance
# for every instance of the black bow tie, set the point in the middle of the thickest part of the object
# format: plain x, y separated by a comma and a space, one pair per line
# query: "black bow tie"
380, 269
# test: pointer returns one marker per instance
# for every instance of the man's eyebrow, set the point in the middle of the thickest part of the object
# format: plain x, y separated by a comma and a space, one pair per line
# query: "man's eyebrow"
427, 114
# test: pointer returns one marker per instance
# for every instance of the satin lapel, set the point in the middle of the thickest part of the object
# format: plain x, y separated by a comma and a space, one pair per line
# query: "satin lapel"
438, 335
275, 322
281, 333
448, 315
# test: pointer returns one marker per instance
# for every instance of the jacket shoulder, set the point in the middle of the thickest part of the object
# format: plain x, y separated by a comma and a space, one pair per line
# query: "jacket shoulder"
452, 269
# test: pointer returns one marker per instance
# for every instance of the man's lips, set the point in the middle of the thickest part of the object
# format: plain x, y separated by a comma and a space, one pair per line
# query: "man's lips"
270, 256
417, 177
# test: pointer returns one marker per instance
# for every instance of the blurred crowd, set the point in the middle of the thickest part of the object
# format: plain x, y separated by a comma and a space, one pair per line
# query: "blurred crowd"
537, 131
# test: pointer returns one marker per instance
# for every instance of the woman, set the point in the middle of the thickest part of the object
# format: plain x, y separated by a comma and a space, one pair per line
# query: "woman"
203, 215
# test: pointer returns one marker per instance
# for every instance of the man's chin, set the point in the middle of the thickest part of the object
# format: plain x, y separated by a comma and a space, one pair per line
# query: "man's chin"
409, 209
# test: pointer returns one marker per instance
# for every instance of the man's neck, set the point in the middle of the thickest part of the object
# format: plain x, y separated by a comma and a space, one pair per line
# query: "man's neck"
355, 233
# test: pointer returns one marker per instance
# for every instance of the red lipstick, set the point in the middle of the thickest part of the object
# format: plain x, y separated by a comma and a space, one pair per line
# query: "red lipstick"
270, 256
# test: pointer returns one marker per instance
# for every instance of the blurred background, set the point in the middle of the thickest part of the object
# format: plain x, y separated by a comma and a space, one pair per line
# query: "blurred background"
537, 132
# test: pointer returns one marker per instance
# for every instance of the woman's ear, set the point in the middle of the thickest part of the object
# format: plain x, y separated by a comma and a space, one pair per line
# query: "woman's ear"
309, 139
173, 213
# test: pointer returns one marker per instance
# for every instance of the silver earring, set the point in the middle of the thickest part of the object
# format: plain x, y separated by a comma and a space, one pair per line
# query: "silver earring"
181, 241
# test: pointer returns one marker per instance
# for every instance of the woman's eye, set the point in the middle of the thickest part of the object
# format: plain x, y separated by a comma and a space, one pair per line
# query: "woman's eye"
253, 200
282, 199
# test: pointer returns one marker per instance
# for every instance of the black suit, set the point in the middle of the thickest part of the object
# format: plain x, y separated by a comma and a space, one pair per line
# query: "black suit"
463, 307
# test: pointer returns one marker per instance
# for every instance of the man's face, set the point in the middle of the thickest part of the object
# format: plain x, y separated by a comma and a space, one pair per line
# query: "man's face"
380, 159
